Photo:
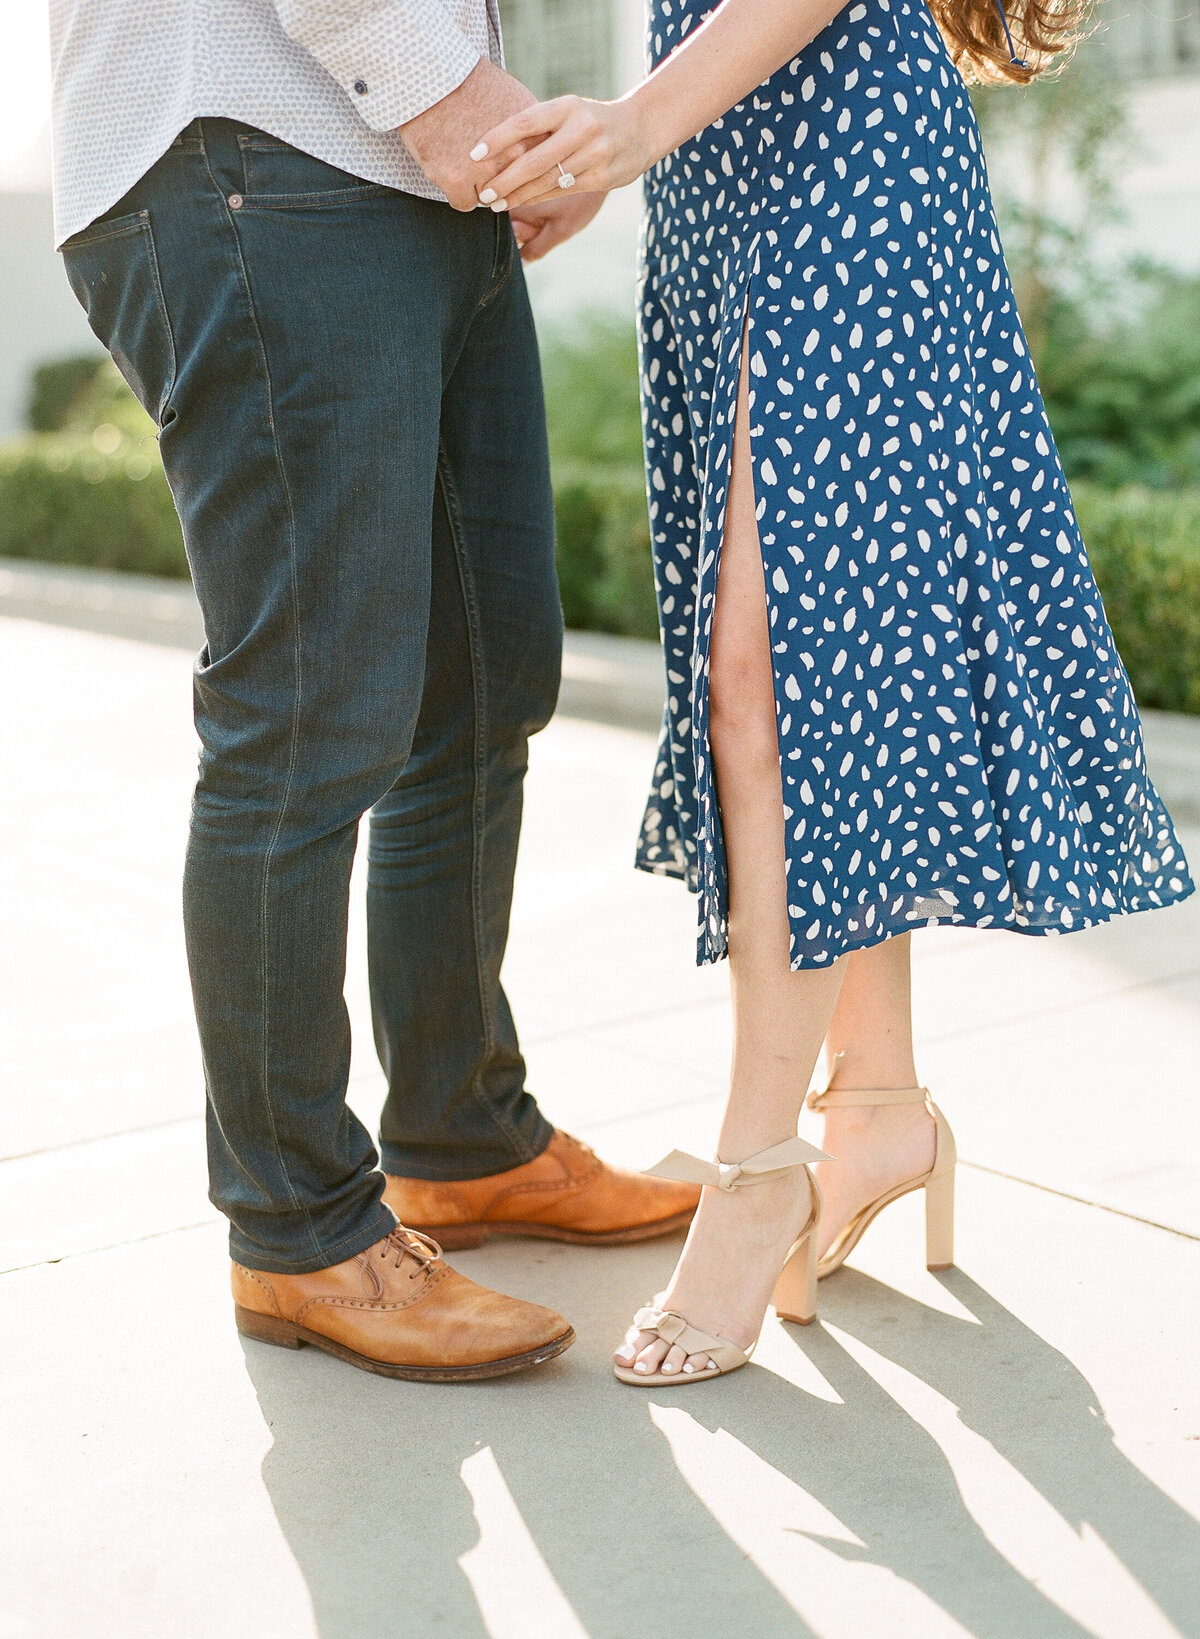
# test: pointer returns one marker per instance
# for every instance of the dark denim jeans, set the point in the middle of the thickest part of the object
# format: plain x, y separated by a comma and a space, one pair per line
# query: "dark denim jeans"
347, 388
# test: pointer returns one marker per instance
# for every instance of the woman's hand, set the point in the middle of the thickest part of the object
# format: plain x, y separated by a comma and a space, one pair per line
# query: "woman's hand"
601, 145
539, 228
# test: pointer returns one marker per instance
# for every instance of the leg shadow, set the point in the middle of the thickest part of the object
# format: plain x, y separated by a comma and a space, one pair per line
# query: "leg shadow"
887, 1482
1040, 1413
576, 1500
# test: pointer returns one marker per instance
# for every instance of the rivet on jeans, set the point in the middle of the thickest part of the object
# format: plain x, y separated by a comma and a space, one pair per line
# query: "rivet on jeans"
235, 201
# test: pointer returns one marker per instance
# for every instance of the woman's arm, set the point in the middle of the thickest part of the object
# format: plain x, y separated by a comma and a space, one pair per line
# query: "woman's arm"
605, 145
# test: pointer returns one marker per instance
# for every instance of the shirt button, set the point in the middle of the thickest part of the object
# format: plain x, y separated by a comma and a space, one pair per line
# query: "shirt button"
235, 201
361, 87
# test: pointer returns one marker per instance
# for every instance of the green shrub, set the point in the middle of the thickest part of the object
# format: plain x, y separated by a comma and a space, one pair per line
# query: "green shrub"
94, 493
593, 409
1145, 549
1123, 394
55, 388
100, 499
604, 568
594, 417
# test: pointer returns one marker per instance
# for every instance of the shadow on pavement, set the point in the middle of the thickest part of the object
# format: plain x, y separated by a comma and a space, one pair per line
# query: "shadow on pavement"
586, 1511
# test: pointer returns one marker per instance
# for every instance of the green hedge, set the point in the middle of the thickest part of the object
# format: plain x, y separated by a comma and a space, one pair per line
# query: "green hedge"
100, 500
94, 493
1145, 549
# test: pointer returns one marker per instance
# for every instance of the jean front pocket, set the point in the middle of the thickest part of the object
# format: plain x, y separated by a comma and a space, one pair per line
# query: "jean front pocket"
113, 270
278, 175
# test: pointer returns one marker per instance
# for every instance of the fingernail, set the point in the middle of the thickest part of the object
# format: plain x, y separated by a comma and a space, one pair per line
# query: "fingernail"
487, 196
500, 205
480, 151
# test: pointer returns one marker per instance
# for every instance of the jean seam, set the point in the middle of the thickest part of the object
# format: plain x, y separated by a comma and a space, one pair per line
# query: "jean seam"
502, 263
295, 733
479, 805
166, 319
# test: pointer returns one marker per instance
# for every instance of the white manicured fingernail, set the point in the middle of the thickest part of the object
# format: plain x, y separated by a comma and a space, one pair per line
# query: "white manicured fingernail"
480, 151
487, 196
500, 205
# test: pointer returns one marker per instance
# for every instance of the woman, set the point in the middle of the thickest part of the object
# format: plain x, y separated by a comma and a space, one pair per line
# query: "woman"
894, 700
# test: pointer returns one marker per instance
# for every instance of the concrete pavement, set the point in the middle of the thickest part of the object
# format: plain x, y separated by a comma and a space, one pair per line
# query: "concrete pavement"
1010, 1450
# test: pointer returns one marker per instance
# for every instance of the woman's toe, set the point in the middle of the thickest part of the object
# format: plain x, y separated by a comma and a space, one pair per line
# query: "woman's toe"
634, 1343
651, 1357
697, 1363
674, 1360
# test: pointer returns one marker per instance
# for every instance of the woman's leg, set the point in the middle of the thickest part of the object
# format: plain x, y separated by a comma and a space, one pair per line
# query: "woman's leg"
739, 1238
879, 1146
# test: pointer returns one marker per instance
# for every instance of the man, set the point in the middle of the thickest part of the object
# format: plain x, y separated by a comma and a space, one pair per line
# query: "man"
263, 207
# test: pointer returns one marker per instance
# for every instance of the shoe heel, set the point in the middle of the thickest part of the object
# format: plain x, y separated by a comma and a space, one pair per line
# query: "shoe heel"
267, 1328
795, 1295
939, 1221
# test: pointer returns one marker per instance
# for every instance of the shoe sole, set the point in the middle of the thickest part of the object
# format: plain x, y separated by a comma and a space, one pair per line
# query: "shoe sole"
286, 1334
462, 1237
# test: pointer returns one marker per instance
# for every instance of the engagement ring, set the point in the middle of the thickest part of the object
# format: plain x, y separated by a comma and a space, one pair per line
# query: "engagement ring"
565, 179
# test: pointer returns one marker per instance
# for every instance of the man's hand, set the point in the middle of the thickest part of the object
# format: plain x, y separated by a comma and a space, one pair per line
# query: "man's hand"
539, 228
441, 138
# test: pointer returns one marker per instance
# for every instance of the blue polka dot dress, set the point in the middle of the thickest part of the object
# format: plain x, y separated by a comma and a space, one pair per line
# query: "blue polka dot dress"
958, 739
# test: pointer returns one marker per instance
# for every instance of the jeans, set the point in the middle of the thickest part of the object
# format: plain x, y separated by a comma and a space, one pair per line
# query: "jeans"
346, 384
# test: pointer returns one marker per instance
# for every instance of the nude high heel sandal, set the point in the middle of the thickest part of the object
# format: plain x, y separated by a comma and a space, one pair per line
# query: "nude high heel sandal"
795, 1294
938, 1182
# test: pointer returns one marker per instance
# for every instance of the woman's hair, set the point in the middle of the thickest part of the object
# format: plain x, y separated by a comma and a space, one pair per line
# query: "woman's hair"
974, 32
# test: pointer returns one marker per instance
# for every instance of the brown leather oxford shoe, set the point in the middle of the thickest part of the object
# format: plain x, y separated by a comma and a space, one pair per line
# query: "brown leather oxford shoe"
399, 1310
565, 1194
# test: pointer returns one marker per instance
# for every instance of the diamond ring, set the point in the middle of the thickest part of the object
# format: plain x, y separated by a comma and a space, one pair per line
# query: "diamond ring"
565, 179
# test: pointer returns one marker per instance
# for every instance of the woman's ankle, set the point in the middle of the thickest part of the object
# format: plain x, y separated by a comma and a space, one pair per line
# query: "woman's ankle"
869, 1125
848, 1069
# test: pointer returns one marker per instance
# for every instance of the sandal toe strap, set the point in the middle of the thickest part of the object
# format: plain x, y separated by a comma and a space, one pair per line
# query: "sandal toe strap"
673, 1328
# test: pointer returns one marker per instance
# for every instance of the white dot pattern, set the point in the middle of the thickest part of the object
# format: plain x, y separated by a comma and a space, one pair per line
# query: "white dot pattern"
130, 74
959, 743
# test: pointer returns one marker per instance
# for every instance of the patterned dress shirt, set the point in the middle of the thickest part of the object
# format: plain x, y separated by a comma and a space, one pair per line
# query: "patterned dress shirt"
332, 77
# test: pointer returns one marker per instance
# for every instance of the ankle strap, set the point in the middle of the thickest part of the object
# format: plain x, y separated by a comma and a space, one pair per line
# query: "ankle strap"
844, 1097
792, 1154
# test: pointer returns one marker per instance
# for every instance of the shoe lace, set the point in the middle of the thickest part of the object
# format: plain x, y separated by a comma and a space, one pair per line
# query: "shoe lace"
402, 1243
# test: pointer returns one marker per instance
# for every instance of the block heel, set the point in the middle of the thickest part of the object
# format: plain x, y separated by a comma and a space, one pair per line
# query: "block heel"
268, 1328
795, 1295
938, 1182
939, 1221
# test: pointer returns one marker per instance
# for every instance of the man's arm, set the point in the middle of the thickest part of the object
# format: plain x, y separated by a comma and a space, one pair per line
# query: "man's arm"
406, 64
393, 58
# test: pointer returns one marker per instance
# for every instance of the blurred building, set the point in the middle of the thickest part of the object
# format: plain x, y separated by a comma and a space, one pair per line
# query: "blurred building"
593, 47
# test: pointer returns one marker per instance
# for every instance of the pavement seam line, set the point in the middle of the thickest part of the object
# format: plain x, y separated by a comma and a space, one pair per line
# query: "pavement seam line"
112, 1246
1080, 1200
649, 1015
975, 1166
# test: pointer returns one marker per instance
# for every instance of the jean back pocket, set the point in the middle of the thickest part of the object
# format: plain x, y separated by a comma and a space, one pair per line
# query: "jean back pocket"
113, 270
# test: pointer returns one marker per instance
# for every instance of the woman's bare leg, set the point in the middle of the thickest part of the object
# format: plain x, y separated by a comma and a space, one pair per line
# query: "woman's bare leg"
739, 1239
876, 1147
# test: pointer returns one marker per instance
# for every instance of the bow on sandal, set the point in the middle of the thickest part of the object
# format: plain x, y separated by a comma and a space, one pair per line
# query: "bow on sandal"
938, 1182
795, 1295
